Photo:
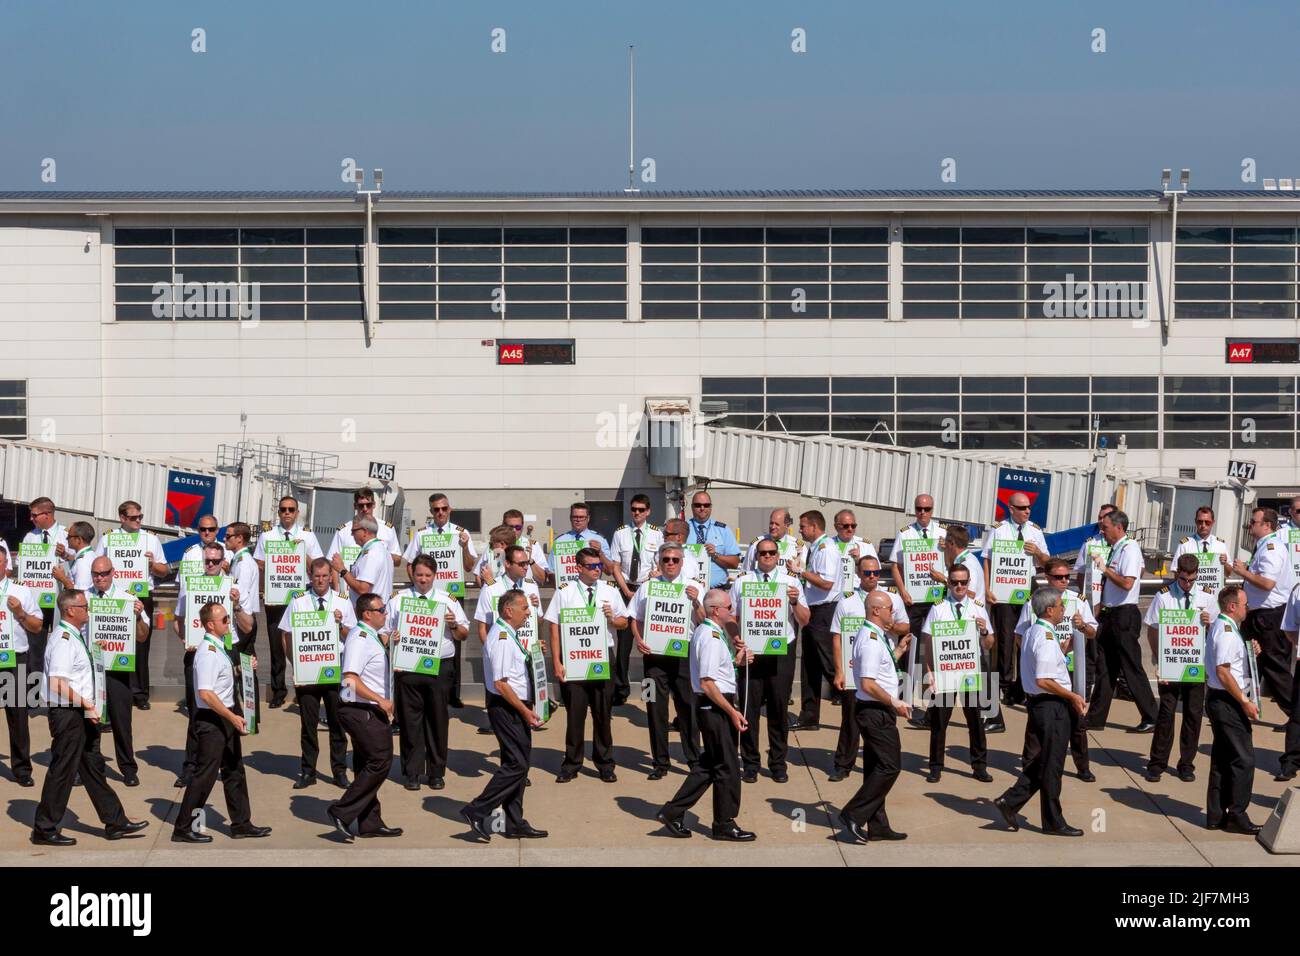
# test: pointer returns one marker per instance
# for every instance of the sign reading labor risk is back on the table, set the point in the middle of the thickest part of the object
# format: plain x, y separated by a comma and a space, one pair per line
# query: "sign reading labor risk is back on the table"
763, 614
1181, 646
419, 636
919, 556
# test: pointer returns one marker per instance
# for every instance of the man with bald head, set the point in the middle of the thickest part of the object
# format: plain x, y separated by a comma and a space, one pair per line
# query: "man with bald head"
779, 523
119, 682
1004, 615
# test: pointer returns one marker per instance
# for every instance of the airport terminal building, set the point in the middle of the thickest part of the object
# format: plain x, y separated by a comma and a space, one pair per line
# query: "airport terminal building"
500, 347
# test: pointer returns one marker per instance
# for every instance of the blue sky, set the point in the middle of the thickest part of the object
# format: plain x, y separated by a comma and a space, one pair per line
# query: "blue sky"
1011, 90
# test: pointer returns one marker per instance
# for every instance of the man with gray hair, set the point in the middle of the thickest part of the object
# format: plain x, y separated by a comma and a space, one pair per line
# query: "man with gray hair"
1119, 626
779, 524
1045, 679
372, 571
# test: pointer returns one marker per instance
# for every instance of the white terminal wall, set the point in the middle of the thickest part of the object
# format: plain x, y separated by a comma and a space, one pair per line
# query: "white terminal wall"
431, 398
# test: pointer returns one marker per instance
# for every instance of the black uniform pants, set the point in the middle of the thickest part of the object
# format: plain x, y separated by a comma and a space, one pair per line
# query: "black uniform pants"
881, 764
36, 647
717, 768
218, 751
1118, 629
119, 720
1004, 618
1276, 653
1192, 697
425, 702
372, 758
817, 663
13, 696
138, 679
580, 696
310, 698
622, 662
916, 615
1047, 735
785, 668
1078, 743
506, 788
846, 746
671, 677
941, 714
768, 685
191, 742
274, 615
455, 675
71, 750
1232, 758
1291, 757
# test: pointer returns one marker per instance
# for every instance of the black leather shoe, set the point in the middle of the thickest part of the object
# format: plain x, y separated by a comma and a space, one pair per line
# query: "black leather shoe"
658, 773
411, 784
856, 833
249, 832
143, 705
731, 833
275, 703
800, 723
1239, 823
1216, 825
52, 839
484, 731
26, 782
995, 727
983, 776
526, 831
877, 835
564, 777
1087, 776
477, 824
181, 781
382, 832
1187, 776
838, 775
339, 825
608, 776
1153, 776
341, 780
131, 826
456, 703
76, 781
437, 783
189, 836
304, 781
749, 776
1008, 815
780, 777
674, 827
1068, 831
1143, 728
1284, 775
934, 775
131, 780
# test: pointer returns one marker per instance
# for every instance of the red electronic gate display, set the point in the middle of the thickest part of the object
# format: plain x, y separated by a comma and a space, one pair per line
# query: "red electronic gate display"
535, 352
1261, 351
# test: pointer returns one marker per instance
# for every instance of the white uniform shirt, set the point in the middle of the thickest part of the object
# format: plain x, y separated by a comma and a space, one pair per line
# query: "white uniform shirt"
915, 532
309, 600
1008, 530
623, 545
68, 657
787, 549
1126, 561
1272, 560
1068, 596
636, 608
152, 546
486, 609
295, 533
195, 553
366, 657
374, 566
791, 631
413, 549
1291, 617
946, 610
1225, 646
57, 535
1041, 657
213, 671
853, 604
343, 538
244, 576
574, 594
536, 556
971, 562
120, 594
850, 568
711, 658
79, 569
503, 659
1173, 597
447, 646
873, 659
824, 561
1196, 545
30, 604
1081, 560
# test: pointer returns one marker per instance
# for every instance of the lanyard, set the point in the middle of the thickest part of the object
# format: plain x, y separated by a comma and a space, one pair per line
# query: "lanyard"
922, 533
719, 633
1229, 624
367, 629
884, 637
514, 636
208, 638
1115, 550
80, 554
235, 560
1262, 542
76, 632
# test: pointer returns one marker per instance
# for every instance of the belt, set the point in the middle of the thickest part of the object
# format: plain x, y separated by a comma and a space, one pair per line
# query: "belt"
873, 705
702, 700
1112, 607
1040, 698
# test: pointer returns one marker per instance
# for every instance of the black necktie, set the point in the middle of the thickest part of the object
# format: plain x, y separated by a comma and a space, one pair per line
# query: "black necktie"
1020, 532
1205, 547
636, 555
45, 537
957, 609
286, 535
1187, 602
591, 597
320, 603
516, 587
699, 533
764, 576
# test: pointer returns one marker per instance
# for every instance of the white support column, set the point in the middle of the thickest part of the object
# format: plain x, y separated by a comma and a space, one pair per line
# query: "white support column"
895, 273
634, 268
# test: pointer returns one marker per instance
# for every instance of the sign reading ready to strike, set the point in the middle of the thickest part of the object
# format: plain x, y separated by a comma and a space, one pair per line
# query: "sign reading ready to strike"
1012, 570
130, 561
445, 549
112, 627
583, 643
314, 641
667, 619
956, 656
919, 555
763, 614
286, 571
201, 590
1182, 646
419, 633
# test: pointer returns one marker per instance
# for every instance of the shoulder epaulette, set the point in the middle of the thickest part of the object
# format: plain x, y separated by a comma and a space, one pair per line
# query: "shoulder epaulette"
891, 589
389, 523
1164, 590
1184, 540
212, 648
266, 526
904, 528
653, 527
719, 524
977, 602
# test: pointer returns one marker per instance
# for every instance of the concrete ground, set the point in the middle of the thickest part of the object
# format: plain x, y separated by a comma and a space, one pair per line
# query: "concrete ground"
1128, 821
